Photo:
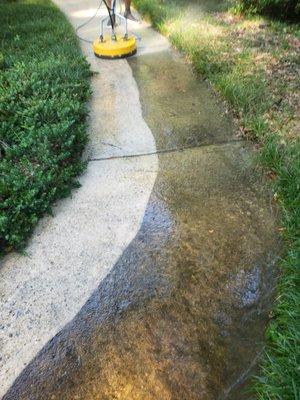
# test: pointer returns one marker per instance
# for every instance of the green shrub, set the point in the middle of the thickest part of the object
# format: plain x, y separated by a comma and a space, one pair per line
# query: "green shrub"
44, 86
282, 9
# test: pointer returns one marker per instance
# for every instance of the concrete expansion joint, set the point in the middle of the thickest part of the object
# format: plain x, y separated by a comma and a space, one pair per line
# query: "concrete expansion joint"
167, 151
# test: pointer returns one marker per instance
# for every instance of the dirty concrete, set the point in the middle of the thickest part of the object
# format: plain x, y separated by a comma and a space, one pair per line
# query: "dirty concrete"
181, 313
180, 109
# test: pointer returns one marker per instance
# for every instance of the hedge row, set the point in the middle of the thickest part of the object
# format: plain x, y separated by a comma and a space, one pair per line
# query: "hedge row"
44, 86
282, 9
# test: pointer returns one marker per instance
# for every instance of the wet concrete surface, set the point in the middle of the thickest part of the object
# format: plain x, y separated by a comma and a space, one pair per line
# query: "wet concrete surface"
180, 109
181, 315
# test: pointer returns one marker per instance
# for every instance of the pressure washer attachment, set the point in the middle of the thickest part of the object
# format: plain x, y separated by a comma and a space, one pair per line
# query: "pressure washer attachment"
112, 45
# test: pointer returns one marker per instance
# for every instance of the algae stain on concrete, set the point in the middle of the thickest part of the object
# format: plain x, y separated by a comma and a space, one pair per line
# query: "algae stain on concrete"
180, 110
222, 213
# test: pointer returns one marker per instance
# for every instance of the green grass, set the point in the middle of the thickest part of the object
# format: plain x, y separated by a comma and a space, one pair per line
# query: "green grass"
253, 63
44, 86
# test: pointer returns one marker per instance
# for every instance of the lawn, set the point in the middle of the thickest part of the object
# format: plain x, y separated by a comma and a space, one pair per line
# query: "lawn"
44, 86
253, 62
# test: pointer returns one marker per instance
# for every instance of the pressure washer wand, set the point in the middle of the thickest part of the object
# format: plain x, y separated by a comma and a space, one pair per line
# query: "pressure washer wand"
112, 17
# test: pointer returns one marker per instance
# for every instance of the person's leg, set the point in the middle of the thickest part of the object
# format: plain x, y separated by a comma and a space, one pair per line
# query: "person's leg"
127, 13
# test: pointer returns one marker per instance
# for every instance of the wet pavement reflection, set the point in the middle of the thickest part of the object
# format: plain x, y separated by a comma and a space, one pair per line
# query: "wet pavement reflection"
182, 314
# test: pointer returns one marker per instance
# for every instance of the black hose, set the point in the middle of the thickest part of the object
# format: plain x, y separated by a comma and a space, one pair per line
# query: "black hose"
111, 13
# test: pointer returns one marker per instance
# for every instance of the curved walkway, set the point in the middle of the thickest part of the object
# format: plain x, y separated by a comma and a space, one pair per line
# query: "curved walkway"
71, 253
153, 280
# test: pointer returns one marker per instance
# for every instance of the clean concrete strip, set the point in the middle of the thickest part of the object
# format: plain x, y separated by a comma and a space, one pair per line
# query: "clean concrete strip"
71, 253
113, 86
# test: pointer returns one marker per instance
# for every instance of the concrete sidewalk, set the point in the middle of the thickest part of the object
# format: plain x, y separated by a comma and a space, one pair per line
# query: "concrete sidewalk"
154, 280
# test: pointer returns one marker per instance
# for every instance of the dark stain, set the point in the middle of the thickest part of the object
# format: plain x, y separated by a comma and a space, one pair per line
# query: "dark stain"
180, 109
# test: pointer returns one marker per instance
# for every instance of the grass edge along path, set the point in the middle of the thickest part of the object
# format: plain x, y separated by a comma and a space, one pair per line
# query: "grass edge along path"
44, 88
252, 62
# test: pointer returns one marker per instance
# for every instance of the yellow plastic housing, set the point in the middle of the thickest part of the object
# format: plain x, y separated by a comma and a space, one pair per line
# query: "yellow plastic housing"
109, 48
